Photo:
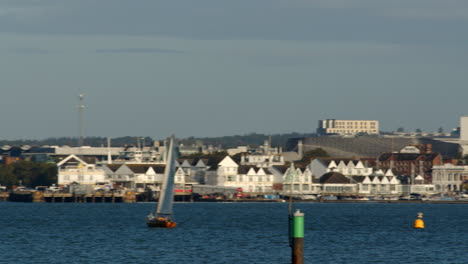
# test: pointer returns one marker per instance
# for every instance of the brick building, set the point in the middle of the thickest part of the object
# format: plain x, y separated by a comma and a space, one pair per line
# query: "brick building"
411, 164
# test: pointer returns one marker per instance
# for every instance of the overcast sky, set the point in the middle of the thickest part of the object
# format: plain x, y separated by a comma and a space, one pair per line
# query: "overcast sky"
216, 67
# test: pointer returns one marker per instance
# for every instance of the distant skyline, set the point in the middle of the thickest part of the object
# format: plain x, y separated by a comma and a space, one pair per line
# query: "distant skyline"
218, 68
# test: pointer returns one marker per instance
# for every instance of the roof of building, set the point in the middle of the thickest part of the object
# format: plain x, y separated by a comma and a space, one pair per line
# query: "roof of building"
407, 156
334, 177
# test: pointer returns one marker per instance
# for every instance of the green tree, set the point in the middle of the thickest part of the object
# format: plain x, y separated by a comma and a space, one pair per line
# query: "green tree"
7, 177
400, 129
23, 170
314, 153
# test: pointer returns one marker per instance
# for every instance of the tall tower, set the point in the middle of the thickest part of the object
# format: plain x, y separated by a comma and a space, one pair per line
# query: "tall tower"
80, 120
464, 129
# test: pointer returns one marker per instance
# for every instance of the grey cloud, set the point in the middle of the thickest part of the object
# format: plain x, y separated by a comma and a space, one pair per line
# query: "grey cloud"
398, 21
32, 51
139, 50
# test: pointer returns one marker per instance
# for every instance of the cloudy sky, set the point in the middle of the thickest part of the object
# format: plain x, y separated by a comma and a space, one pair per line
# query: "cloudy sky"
217, 67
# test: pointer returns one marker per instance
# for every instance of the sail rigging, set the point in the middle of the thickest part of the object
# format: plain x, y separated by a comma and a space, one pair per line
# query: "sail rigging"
167, 191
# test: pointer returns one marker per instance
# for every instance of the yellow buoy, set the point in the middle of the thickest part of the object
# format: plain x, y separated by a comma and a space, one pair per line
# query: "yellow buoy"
419, 223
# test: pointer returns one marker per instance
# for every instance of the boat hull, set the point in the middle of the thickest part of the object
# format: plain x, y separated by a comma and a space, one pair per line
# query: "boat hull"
161, 223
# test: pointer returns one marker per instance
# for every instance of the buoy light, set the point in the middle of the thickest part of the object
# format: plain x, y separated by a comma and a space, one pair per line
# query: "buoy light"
419, 223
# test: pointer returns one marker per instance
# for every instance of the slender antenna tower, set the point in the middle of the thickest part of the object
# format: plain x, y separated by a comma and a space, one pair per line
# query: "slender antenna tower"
80, 125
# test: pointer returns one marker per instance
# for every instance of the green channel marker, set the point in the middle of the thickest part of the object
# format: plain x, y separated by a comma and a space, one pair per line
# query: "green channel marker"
298, 238
298, 224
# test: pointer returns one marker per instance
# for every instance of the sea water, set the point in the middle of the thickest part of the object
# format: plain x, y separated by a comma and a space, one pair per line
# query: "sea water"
232, 233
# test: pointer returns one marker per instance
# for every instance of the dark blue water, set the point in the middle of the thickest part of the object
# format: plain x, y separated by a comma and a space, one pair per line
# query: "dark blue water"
231, 233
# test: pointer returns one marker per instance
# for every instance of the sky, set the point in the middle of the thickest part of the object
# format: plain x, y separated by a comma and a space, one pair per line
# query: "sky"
217, 68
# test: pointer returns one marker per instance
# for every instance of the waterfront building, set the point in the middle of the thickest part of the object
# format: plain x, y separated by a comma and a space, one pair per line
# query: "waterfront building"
411, 164
449, 178
378, 183
262, 160
348, 127
294, 179
347, 167
74, 169
250, 178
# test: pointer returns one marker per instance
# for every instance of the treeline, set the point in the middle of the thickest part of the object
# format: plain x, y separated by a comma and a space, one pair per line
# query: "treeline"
29, 174
73, 142
252, 139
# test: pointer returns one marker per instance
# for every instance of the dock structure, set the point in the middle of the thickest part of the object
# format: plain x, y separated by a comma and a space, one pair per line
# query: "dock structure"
60, 197
4, 196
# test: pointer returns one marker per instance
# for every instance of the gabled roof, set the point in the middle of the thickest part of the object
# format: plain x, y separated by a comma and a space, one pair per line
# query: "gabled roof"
186, 164
385, 180
228, 162
359, 164
244, 169
72, 158
201, 163
113, 167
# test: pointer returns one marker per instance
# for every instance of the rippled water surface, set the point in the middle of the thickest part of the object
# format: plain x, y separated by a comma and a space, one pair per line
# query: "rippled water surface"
231, 233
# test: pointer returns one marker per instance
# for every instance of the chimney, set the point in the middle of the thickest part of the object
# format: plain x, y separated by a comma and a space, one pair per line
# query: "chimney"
429, 148
300, 148
109, 155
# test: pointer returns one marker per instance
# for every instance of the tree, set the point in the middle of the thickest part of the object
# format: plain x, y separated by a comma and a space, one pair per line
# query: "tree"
7, 177
418, 130
440, 130
314, 153
400, 129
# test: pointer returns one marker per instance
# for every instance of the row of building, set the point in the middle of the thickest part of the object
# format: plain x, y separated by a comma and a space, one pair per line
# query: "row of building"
411, 170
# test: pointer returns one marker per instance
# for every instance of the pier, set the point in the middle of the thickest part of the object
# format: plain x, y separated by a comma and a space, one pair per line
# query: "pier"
59, 197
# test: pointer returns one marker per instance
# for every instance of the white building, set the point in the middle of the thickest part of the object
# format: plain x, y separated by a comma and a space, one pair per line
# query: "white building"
262, 160
73, 169
449, 178
299, 179
250, 178
347, 167
348, 127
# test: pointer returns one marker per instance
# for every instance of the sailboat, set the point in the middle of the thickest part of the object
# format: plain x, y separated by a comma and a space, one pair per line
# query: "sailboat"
162, 218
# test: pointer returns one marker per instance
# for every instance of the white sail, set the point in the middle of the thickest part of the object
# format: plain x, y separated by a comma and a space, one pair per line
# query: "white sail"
166, 196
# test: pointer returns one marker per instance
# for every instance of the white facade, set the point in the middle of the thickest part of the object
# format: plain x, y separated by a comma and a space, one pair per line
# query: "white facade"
348, 127
75, 170
464, 129
318, 167
250, 179
300, 180
449, 178
262, 160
